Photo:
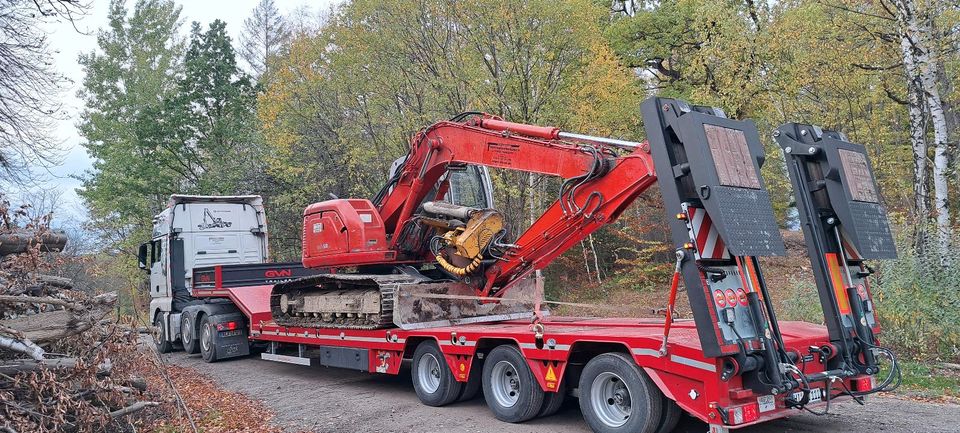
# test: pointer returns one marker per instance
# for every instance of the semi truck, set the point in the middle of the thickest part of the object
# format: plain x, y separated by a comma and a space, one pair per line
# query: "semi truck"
429, 272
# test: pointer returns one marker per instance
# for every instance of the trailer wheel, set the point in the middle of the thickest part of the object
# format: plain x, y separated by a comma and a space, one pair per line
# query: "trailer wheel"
208, 347
671, 415
432, 379
472, 387
617, 396
160, 336
187, 335
509, 387
552, 401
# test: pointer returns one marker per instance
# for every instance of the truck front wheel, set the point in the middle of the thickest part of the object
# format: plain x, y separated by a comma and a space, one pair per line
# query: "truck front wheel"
208, 347
160, 338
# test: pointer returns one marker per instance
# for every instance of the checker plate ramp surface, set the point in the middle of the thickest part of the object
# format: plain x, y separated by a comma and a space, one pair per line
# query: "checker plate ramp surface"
750, 227
873, 231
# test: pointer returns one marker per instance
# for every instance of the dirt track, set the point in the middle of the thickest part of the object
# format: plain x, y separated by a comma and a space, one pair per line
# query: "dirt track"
333, 400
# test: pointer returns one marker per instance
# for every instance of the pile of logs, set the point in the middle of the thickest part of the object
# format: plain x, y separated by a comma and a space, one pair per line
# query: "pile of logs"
59, 345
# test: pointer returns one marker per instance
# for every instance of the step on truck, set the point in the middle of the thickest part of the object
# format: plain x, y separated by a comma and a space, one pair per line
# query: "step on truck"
429, 271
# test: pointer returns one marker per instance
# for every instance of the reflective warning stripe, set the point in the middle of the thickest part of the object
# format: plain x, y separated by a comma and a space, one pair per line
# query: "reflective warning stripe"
705, 234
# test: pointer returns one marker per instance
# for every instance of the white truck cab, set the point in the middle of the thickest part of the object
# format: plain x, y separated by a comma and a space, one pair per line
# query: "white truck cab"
195, 231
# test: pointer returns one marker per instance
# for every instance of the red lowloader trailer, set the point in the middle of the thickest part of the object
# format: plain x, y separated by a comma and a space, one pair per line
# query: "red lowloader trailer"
416, 274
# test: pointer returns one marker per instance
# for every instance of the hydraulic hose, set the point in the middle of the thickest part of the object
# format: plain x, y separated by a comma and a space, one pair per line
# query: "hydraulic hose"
457, 270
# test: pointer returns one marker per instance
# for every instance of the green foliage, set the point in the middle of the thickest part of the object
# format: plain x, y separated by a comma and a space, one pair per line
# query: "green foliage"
163, 117
128, 77
918, 300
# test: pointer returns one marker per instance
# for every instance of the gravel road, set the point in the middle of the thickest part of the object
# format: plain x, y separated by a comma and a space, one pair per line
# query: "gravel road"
333, 400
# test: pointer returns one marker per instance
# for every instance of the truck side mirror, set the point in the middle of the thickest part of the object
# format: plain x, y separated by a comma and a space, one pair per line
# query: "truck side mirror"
142, 256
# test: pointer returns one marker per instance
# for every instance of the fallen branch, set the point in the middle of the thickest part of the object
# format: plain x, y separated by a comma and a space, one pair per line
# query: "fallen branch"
24, 346
140, 405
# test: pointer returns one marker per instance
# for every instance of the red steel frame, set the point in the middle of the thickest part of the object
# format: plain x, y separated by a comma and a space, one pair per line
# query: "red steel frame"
683, 374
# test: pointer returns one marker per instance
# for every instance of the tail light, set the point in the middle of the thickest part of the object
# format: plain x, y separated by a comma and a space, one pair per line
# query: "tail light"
743, 414
720, 298
732, 298
227, 326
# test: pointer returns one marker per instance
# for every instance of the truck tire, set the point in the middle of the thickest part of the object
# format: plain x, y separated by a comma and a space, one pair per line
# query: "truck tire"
509, 387
188, 335
616, 396
432, 379
208, 346
160, 339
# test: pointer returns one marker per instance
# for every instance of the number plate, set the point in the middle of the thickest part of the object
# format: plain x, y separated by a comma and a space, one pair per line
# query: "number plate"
816, 395
767, 403
230, 333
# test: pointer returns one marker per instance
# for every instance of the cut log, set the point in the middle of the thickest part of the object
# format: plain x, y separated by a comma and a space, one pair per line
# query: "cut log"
8, 299
48, 326
20, 240
55, 281
15, 366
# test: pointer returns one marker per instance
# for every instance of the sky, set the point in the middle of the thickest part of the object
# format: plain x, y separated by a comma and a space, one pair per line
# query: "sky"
66, 45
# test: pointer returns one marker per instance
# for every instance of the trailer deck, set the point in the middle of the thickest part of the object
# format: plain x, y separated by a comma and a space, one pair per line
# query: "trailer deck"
683, 374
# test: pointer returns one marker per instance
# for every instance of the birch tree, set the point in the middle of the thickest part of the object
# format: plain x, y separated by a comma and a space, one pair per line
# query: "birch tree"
920, 54
917, 115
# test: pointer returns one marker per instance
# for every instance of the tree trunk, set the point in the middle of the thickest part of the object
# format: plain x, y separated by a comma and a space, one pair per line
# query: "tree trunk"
917, 32
918, 142
941, 138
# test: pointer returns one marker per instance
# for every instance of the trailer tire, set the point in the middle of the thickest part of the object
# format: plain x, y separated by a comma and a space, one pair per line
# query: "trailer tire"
432, 379
208, 346
509, 387
671, 415
472, 387
187, 335
552, 401
160, 339
617, 396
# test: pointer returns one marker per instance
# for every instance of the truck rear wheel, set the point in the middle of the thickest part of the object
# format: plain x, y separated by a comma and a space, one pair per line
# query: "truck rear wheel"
432, 379
509, 387
617, 396
208, 347
188, 336
160, 339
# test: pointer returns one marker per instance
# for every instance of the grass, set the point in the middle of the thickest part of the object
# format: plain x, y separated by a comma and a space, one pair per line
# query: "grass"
929, 382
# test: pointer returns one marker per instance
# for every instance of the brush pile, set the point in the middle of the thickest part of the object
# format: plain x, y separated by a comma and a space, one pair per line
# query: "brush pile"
66, 365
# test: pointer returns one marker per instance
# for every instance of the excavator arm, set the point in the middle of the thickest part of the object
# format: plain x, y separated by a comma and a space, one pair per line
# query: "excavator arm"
599, 184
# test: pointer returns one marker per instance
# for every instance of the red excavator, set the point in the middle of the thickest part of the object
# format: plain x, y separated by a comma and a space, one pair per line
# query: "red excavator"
389, 239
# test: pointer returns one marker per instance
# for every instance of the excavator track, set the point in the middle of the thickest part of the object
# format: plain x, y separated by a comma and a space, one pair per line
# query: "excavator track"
345, 301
